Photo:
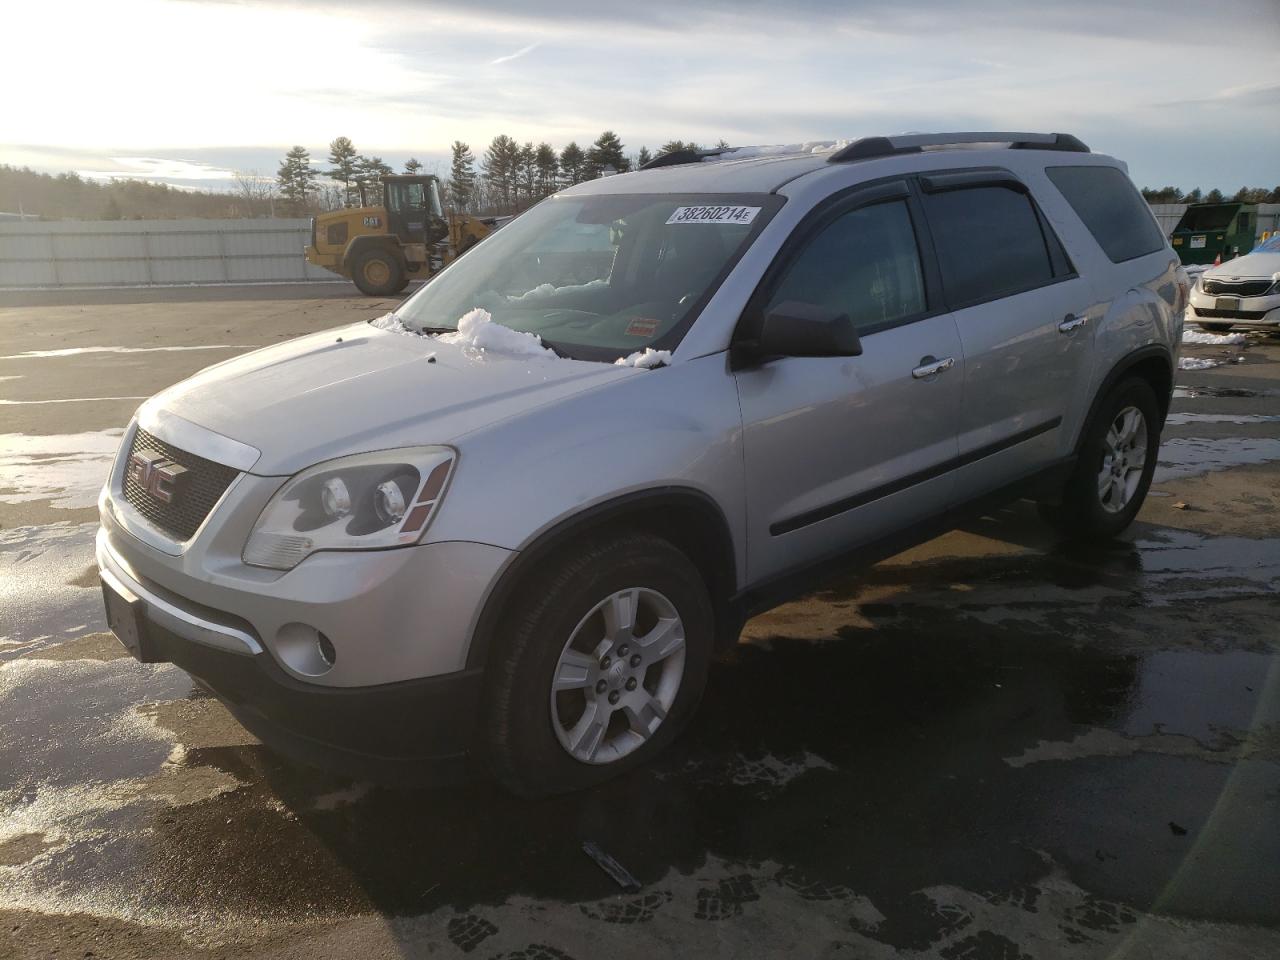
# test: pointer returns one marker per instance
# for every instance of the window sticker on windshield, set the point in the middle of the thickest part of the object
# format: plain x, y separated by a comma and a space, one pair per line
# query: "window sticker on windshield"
642, 327
713, 215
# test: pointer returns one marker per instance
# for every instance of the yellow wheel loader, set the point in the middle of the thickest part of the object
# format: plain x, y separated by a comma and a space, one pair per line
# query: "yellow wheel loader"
408, 237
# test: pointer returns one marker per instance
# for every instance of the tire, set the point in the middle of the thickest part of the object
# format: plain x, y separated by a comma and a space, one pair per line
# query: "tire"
531, 731
378, 272
1094, 508
1214, 327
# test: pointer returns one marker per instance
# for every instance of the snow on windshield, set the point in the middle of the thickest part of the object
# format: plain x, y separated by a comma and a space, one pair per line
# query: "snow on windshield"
479, 334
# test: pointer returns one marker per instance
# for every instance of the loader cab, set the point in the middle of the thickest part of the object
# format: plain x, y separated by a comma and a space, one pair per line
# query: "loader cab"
414, 211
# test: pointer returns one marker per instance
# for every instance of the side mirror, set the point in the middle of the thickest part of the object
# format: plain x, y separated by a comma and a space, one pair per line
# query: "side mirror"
798, 329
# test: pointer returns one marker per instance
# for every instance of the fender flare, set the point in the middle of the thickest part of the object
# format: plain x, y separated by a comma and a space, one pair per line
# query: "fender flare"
624, 510
1119, 370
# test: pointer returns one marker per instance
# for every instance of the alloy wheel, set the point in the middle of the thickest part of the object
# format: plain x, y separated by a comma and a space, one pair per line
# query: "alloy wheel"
618, 675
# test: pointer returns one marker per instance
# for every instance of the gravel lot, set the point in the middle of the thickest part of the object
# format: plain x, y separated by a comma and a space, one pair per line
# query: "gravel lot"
989, 747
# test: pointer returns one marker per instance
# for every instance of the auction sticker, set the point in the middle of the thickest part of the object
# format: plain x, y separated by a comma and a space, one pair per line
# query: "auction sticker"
642, 327
724, 214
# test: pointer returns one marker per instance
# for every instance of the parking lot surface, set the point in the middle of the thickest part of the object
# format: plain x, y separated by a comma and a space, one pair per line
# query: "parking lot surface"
992, 746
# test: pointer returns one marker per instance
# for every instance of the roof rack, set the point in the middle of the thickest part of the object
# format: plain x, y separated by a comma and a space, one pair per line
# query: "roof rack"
869, 148
683, 156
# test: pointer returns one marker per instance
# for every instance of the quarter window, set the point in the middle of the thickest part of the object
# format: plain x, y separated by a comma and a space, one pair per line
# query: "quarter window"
1114, 212
865, 264
990, 243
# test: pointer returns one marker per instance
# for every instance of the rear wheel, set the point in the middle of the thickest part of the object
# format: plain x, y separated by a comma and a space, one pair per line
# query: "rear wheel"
378, 272
601, 665
1117, 459
1214, 327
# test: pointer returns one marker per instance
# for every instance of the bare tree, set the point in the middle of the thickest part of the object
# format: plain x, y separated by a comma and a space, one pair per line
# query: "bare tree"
257, 193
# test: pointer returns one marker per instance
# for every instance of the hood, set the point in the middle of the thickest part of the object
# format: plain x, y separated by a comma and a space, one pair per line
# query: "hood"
1256, 265
355, 389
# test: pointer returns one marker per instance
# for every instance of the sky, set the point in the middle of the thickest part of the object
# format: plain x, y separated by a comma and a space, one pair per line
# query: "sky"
190, 91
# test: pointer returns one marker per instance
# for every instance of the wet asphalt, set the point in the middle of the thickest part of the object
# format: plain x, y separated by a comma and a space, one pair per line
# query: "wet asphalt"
992, 746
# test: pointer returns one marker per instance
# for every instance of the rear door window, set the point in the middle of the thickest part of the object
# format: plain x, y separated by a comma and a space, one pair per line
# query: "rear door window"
990, 243
1115, 213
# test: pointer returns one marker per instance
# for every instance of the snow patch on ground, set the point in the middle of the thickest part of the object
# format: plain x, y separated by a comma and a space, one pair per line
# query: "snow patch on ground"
1212, 339
647, 359
1197, 363
478, 333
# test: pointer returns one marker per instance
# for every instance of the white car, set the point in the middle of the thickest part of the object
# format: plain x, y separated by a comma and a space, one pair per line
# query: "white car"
1244, 292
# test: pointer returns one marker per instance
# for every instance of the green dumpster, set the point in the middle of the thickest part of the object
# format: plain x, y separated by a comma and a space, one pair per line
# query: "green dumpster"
1211, 230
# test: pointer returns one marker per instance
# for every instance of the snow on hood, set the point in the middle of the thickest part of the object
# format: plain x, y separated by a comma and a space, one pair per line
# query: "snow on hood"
479, 336
647, 359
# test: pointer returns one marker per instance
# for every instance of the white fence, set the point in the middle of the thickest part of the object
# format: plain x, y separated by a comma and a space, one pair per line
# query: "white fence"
93, 253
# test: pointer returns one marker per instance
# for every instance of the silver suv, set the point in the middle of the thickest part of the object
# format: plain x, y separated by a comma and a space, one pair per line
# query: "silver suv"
514, 520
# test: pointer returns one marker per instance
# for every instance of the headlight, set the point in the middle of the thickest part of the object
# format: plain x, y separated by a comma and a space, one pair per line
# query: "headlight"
367, 502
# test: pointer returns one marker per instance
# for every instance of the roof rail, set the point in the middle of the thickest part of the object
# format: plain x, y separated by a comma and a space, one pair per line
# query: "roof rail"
683, 156
869, 148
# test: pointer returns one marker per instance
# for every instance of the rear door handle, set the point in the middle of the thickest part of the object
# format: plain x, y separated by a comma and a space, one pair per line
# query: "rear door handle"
1072, 322
930, 366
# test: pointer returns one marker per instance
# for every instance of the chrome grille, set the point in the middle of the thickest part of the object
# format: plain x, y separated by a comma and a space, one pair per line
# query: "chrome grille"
206, 483
1238, 288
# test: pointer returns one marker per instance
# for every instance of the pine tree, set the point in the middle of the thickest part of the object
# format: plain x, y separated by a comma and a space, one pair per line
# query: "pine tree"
343, 156
1214, 196
572, 164
548, 166
1274, 196
606, 154
412, 165
500, 166
644, 157
1192, 197
677, 146
462, 175
297, 178
527, 164
368, 178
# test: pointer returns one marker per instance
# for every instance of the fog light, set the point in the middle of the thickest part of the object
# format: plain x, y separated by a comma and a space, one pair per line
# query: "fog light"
305, 649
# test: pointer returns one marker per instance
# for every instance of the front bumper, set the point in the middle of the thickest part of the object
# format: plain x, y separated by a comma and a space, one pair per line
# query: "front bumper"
1260, 312
365, 731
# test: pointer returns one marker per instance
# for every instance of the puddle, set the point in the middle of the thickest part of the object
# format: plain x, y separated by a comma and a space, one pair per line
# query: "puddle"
1227, 393
67, 470
1177, 419
1190, 456
38, 604
1202, 694
77, 351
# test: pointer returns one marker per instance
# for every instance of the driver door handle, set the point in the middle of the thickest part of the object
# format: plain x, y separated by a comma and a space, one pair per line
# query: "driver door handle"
1071, 322
929, 367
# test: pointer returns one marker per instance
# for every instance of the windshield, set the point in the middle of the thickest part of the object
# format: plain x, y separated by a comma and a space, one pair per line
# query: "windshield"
1269, 246
597, 278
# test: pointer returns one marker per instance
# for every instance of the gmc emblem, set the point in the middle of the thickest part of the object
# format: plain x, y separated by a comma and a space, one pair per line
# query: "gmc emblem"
157, 474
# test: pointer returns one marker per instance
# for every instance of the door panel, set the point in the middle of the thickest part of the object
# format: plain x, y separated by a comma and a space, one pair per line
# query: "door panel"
1023, 380
840, 451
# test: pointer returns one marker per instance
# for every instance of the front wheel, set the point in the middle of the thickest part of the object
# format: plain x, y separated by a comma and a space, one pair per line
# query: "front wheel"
378, 273
1113, 474
600, 666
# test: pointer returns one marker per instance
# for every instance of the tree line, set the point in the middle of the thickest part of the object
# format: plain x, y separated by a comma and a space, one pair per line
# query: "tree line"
1243, 195
508, 177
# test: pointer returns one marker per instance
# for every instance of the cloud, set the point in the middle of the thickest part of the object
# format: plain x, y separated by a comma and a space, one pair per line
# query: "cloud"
515, 56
